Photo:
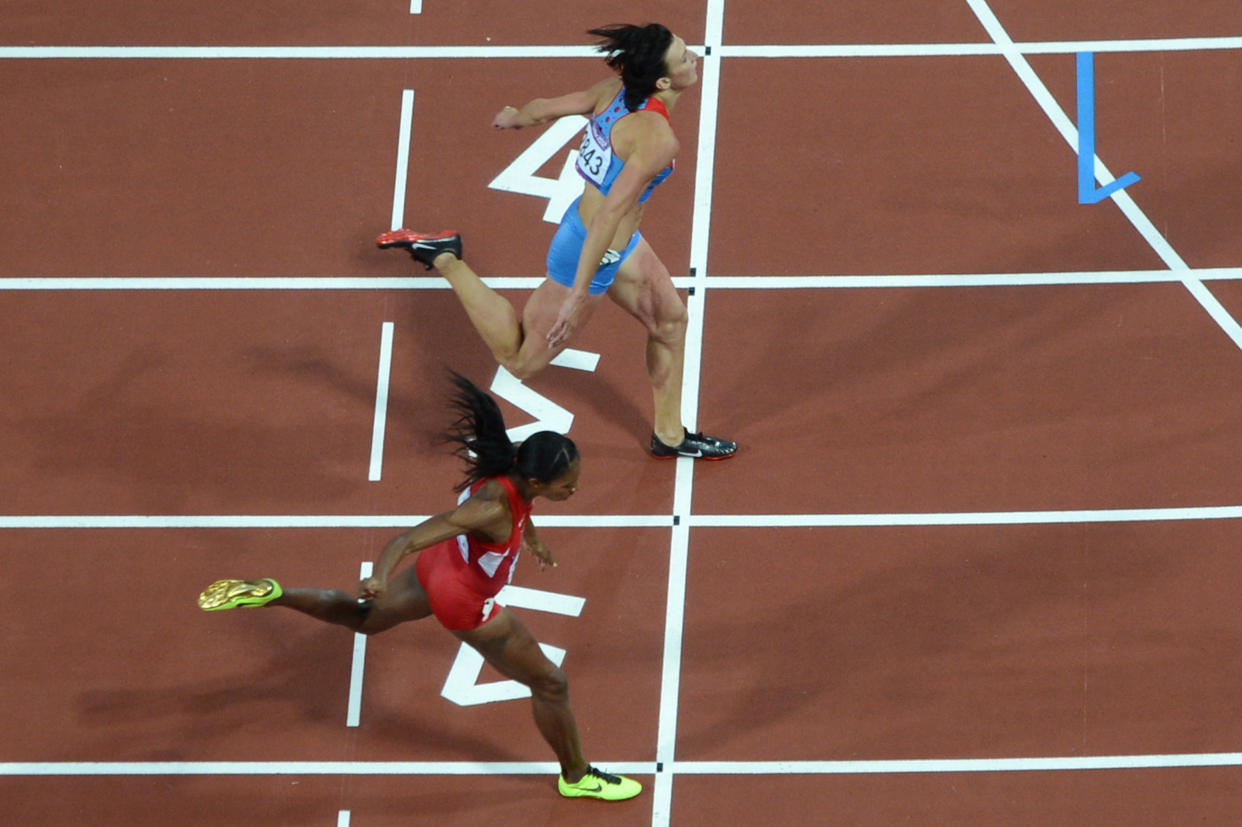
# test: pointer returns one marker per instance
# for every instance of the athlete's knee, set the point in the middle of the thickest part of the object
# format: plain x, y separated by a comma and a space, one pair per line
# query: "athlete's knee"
669, 327
530, 360
521, 368
551, 684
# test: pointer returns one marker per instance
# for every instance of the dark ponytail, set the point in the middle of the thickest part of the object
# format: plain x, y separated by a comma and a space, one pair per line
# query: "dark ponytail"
485, 448
637, 52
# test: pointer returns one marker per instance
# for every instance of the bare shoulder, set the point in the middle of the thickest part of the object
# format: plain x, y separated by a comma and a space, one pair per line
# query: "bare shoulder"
603, 92
647, 134
584, 102
658, 132
489, 496
490, 491
486, 510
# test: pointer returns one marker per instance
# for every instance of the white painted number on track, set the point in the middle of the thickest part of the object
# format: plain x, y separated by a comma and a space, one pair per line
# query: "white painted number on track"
462, 685
520, 175
549, 416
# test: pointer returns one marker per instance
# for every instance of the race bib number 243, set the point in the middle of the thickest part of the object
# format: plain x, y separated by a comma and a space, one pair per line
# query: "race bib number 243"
594, 155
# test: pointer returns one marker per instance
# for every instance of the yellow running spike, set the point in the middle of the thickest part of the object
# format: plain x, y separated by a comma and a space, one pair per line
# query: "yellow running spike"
230, 594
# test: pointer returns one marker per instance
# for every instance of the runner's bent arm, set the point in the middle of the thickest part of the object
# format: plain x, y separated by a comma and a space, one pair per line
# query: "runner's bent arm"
532, 543
542, 110
481, 514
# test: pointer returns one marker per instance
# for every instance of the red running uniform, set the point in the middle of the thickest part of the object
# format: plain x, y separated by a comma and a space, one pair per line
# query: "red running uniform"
462, 575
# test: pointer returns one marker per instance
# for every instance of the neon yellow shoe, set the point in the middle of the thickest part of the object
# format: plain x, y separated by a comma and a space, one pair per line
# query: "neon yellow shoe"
597, 784
230, 594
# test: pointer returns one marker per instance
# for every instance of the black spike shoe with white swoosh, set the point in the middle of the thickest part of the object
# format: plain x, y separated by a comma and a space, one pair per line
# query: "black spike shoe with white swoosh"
695, 446
424, 247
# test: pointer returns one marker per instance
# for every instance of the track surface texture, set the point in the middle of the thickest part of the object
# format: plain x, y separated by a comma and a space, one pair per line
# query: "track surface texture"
975, 562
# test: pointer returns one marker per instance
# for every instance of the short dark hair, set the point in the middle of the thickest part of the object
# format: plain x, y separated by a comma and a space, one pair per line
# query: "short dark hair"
545, 455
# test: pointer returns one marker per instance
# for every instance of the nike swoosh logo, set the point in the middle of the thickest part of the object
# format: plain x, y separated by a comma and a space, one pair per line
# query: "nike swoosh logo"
697, 453
598, 788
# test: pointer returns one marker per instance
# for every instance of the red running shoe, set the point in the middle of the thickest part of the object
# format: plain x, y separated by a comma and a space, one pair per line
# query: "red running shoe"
424, 247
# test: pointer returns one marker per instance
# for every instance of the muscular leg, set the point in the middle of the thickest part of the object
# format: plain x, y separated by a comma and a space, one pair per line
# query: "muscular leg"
519, 346
507, 645
644, 289
403, 600
491, 314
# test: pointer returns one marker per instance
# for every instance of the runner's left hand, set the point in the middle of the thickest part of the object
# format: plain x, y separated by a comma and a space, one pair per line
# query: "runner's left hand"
566, 321
540, 552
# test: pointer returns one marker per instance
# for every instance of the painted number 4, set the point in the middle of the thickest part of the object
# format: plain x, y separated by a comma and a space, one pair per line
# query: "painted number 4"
462, 685
520, 175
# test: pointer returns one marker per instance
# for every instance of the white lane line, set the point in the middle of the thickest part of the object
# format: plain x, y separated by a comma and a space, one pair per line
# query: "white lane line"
1075, 763
1122, 197
342, 818
810, 50
972, 765
968, 518
416, 6
956, 518
683, 486
403, 160
709, 93
1067, 277
1174, 44
1063, 279
354, 711
206, 768
869, 50
381, 403
258, 283
291, 52
670, 669
404, 521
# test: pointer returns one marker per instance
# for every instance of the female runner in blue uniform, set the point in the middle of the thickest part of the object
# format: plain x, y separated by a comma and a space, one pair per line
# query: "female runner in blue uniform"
463, 559
627, 150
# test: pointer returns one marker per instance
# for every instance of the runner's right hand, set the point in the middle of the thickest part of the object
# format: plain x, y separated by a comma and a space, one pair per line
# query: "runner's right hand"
371, 588
506, 119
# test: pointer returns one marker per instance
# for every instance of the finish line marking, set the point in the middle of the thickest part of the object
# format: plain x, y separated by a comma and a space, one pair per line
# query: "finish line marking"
683, 483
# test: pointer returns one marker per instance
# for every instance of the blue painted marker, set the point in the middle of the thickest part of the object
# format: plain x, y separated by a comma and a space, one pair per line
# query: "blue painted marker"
1087, 193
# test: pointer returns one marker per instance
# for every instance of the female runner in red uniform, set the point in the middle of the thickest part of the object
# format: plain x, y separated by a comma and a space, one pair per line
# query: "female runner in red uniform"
464, 557
628, 149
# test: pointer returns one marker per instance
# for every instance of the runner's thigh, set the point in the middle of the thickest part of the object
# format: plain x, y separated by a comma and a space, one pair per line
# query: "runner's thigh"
506, 643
